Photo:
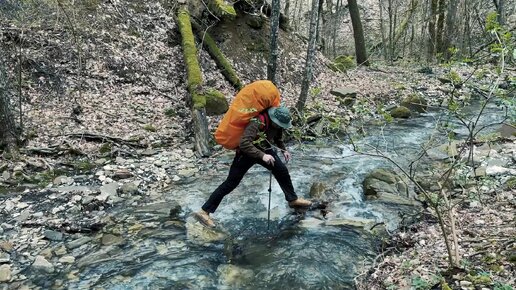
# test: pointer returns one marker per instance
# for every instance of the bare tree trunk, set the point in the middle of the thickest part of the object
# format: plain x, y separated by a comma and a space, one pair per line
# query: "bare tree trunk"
500, 10
391, 31
318, 30
432, 31
382, 30
450, 27
335, 26
8, 135
300, 105
358, 33
440, 27
273, 57
286, 10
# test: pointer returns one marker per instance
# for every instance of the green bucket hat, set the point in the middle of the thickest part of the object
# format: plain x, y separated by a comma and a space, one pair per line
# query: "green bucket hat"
280, 116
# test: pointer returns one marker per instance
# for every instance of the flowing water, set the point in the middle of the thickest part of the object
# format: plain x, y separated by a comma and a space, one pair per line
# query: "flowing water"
311, 254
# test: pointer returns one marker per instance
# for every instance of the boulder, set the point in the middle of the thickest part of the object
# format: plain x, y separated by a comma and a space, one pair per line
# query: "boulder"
5, 273
42, 265
401, 112
200, 234
387, 186
234, 276
344, 92
444, 151
415, 103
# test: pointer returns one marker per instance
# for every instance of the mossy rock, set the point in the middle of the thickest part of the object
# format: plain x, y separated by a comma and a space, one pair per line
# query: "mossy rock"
401, 112
216, 103
255, 22
343, 63
382, 182
415, 103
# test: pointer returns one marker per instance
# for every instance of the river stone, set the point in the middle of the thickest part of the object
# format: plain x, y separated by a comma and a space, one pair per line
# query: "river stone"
109, 239
60, 180
6, 175
507, 131
47, 253
42, 265
78, 242
107, 191
4, 258
129, 188
384, 180
350, 221
5, 273
415, 103
443, 151
200, 234
67, 260
122, 174
234, 276
60, 251
498, 170
6, 246
317, 190
53, 235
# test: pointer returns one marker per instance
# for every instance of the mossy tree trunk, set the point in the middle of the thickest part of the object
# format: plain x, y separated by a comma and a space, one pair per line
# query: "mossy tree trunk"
195, 81
220, 59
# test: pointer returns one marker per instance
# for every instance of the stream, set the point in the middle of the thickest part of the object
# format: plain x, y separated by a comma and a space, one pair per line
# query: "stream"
315, 252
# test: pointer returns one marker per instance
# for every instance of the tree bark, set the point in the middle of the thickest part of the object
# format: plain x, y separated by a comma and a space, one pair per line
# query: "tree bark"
273, 57
440, 27
358, 33
309, 57
382, 30
286, 10
431, 30
319, 27
8, 135
450, 27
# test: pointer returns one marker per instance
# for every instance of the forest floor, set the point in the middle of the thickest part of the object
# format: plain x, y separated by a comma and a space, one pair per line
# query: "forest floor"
124, 120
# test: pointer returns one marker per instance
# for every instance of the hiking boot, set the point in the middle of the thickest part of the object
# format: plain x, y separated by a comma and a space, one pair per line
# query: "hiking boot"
204, 218
300, 202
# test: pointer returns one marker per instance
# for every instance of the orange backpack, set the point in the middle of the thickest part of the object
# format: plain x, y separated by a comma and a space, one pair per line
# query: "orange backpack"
248, 103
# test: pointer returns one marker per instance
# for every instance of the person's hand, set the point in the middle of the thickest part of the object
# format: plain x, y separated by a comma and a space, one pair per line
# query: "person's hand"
287, 156
268, 159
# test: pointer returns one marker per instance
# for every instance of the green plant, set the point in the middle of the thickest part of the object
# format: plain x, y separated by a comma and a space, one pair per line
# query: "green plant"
501, 286
105, 148
170, 112
420, 283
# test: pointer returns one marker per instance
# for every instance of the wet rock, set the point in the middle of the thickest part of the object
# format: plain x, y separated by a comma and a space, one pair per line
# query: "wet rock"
60, 251
42, 265
97, 257
107, 191
317, 190
122, 174
47, 253
507, 131
9, 205
129, 188
53, 235
109, 239
77, 189
188, 172
234, 276
384, 180
200, 234
63, 180
350, 221
4, 258
5, 273
78, 242
6, 246
67, 260
6, 175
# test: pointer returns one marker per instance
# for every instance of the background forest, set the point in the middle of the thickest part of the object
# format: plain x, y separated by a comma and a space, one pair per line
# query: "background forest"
106, 104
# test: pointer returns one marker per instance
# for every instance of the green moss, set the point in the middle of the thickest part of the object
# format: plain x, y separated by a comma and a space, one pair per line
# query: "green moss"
343, 63
220, 59
105, 148
222, 9
479, 279
84, 165
189, 51
199, 100
150, 128
415, 102
401, 112
216, 102
170, 112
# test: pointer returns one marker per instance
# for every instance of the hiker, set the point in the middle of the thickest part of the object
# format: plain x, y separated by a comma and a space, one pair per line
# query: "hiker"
271, 122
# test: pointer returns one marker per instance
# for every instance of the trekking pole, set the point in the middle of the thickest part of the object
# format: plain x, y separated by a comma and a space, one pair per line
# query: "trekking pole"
269, 211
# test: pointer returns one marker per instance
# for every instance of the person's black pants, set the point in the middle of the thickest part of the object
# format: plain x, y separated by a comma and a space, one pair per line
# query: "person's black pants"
241, 164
